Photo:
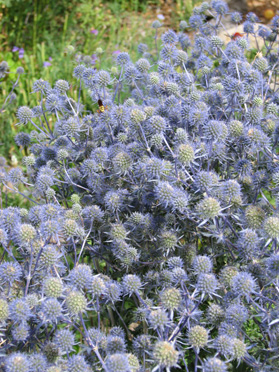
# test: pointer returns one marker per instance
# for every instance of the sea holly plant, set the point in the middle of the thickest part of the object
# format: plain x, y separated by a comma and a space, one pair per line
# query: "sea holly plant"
151, 243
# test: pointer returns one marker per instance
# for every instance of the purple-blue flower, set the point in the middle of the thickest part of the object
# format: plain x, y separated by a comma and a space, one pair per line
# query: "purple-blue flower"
21, 53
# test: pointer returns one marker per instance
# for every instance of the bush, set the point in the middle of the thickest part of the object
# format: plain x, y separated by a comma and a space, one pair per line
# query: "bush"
152, 243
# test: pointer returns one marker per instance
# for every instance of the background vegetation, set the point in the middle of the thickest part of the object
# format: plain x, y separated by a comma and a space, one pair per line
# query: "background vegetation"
43, 29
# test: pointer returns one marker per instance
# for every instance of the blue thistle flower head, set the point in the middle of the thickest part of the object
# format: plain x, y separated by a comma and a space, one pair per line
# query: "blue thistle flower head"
252, 17
244, 285
10, 272
248, 27
221, 7
195, 21
117, 362
20, 310
123, 59
236, 17
17, 362
170, 37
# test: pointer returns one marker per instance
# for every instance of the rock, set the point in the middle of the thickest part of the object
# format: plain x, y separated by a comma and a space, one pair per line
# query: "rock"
238, 5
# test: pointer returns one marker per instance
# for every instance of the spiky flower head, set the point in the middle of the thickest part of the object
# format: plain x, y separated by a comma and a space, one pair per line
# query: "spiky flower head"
32, 300
154, 78
103, 78
137, 116
80, 276
69, 228
38, 362
62, 86
17, 362
123, 59
10, 272
76, 302
243, 284
22, 139
118, 232
235, 128
133, 363
181, 57
4, 310
202, 264
168, 240
239, 349
158, 319
165, 192
25, 114
115, 344
51, 310
4, 67
223, 344
207, 284
272, 264
142, 48
117, 363
169, 37
236, 17
171, 298
16, 176
98, 337
215, 314
214, 365
71, 127
50, 256
156, 140
51, 351
227, 274
113, 292
216, 41
186, 154
175, 262
77, 363
261, 64
131, 284
143, 65
122, 162
271, 227
181, 136
165, 354
78, 71
208, 208
255, 216
236, 314
65, 340
97, 286
21, 331
216, 130
3, 237
157, 123
27, 233
197, 337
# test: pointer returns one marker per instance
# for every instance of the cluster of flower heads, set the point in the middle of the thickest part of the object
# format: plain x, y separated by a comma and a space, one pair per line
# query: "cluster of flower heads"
152, 242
